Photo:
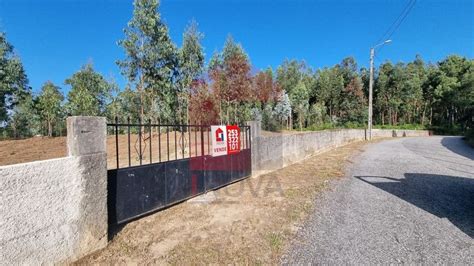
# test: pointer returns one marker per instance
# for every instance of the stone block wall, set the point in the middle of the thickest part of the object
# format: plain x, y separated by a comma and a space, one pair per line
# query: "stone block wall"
55, 211
270, 153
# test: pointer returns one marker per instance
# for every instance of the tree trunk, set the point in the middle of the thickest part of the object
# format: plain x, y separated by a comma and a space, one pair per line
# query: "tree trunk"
431, 115
390, 116
50, 128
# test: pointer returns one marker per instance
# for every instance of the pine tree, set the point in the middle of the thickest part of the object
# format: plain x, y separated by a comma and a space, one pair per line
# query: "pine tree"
231, 79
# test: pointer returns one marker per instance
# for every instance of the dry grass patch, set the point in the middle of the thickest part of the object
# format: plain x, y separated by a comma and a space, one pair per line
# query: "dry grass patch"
251, 222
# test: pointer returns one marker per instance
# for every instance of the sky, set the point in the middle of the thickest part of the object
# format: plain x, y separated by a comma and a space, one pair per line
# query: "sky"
54, 38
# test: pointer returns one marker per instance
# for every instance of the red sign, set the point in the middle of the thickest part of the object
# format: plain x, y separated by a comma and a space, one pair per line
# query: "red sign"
233, 139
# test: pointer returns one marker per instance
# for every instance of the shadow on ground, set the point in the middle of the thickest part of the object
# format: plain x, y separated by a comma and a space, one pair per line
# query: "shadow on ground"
457, 145
450, 197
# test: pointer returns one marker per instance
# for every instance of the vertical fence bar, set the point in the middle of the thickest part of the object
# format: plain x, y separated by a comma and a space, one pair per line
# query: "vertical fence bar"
202, 141
159, 143
128, 133
116, 142
175, 145
149, 125
182, 139
140, 140
250, 137
189, 133
168, 141
246, 136
195, 141
208, 144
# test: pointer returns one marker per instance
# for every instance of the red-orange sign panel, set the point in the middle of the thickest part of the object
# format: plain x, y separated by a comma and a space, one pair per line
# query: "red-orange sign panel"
233, 139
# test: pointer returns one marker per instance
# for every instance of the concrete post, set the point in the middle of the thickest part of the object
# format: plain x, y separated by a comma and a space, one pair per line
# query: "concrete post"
86, 141
255, 129
86, 135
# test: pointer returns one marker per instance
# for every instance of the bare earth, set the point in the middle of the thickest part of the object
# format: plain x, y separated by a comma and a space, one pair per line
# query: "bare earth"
171, 146
32, 149
250, 222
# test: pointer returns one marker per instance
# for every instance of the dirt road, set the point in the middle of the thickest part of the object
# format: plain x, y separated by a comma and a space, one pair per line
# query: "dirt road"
403, 201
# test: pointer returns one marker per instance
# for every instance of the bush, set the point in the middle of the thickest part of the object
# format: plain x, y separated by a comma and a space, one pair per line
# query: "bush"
403, 126
447, 130
469, 136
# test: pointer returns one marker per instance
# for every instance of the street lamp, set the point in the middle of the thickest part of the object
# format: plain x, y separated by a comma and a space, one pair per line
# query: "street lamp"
371, 84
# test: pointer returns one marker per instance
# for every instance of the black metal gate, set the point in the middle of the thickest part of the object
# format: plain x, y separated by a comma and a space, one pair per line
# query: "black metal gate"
159, 165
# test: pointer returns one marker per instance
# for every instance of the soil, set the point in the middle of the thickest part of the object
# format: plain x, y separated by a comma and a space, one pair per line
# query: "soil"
249, 222
32, 149
181, 145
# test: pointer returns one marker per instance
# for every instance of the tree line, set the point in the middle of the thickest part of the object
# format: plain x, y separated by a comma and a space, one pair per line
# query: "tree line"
174, 85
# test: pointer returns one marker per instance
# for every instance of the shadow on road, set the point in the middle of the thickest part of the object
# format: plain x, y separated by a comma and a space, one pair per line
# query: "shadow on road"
459, 146
450, 197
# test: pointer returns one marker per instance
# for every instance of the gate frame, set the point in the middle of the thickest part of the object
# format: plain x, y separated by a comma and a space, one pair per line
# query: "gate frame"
195, 169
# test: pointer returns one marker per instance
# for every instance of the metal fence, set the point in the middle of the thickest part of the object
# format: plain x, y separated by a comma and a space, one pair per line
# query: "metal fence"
152, 166
147, 143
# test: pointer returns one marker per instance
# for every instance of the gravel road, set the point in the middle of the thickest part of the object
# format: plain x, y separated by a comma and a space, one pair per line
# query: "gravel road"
409, 200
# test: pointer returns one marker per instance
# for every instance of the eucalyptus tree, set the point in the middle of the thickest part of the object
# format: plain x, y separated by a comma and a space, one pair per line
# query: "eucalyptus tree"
299, 98
282, 110
13, 79
89, 92
50, 105
151, 61
191, 65
328, 89
24, 120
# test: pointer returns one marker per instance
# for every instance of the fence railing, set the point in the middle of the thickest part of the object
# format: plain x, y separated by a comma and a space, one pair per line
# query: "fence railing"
133, 144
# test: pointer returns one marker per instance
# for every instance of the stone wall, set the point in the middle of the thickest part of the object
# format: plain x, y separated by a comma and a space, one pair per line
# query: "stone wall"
273, 152
55, 211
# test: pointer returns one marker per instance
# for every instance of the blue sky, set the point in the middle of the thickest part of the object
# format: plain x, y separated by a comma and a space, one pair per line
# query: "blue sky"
54, 38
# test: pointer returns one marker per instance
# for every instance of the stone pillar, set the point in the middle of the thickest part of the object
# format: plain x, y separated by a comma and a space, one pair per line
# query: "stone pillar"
86, 141
255, 129
86, 135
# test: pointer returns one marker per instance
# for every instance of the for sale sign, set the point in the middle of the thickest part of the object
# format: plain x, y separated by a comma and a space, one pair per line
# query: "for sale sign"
233, 139
225, 140
219, 140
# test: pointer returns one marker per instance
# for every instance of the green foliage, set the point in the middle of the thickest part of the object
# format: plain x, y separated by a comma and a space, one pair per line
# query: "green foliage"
89, 92
191, 65
25, 121
470, 137
353, 104
328, 89
170, 85
282, 110
299, 100
151, 62
49, 105
13, 80
290, 73
402, 126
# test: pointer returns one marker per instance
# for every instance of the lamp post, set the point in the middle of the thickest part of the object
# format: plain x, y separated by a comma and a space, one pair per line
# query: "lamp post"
371, 84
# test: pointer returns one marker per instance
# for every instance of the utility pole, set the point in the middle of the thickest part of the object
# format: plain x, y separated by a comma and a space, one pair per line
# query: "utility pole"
371, 88
371, 85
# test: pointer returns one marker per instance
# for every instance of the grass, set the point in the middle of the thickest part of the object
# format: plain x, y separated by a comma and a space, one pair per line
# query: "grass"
326, 126
275, 240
